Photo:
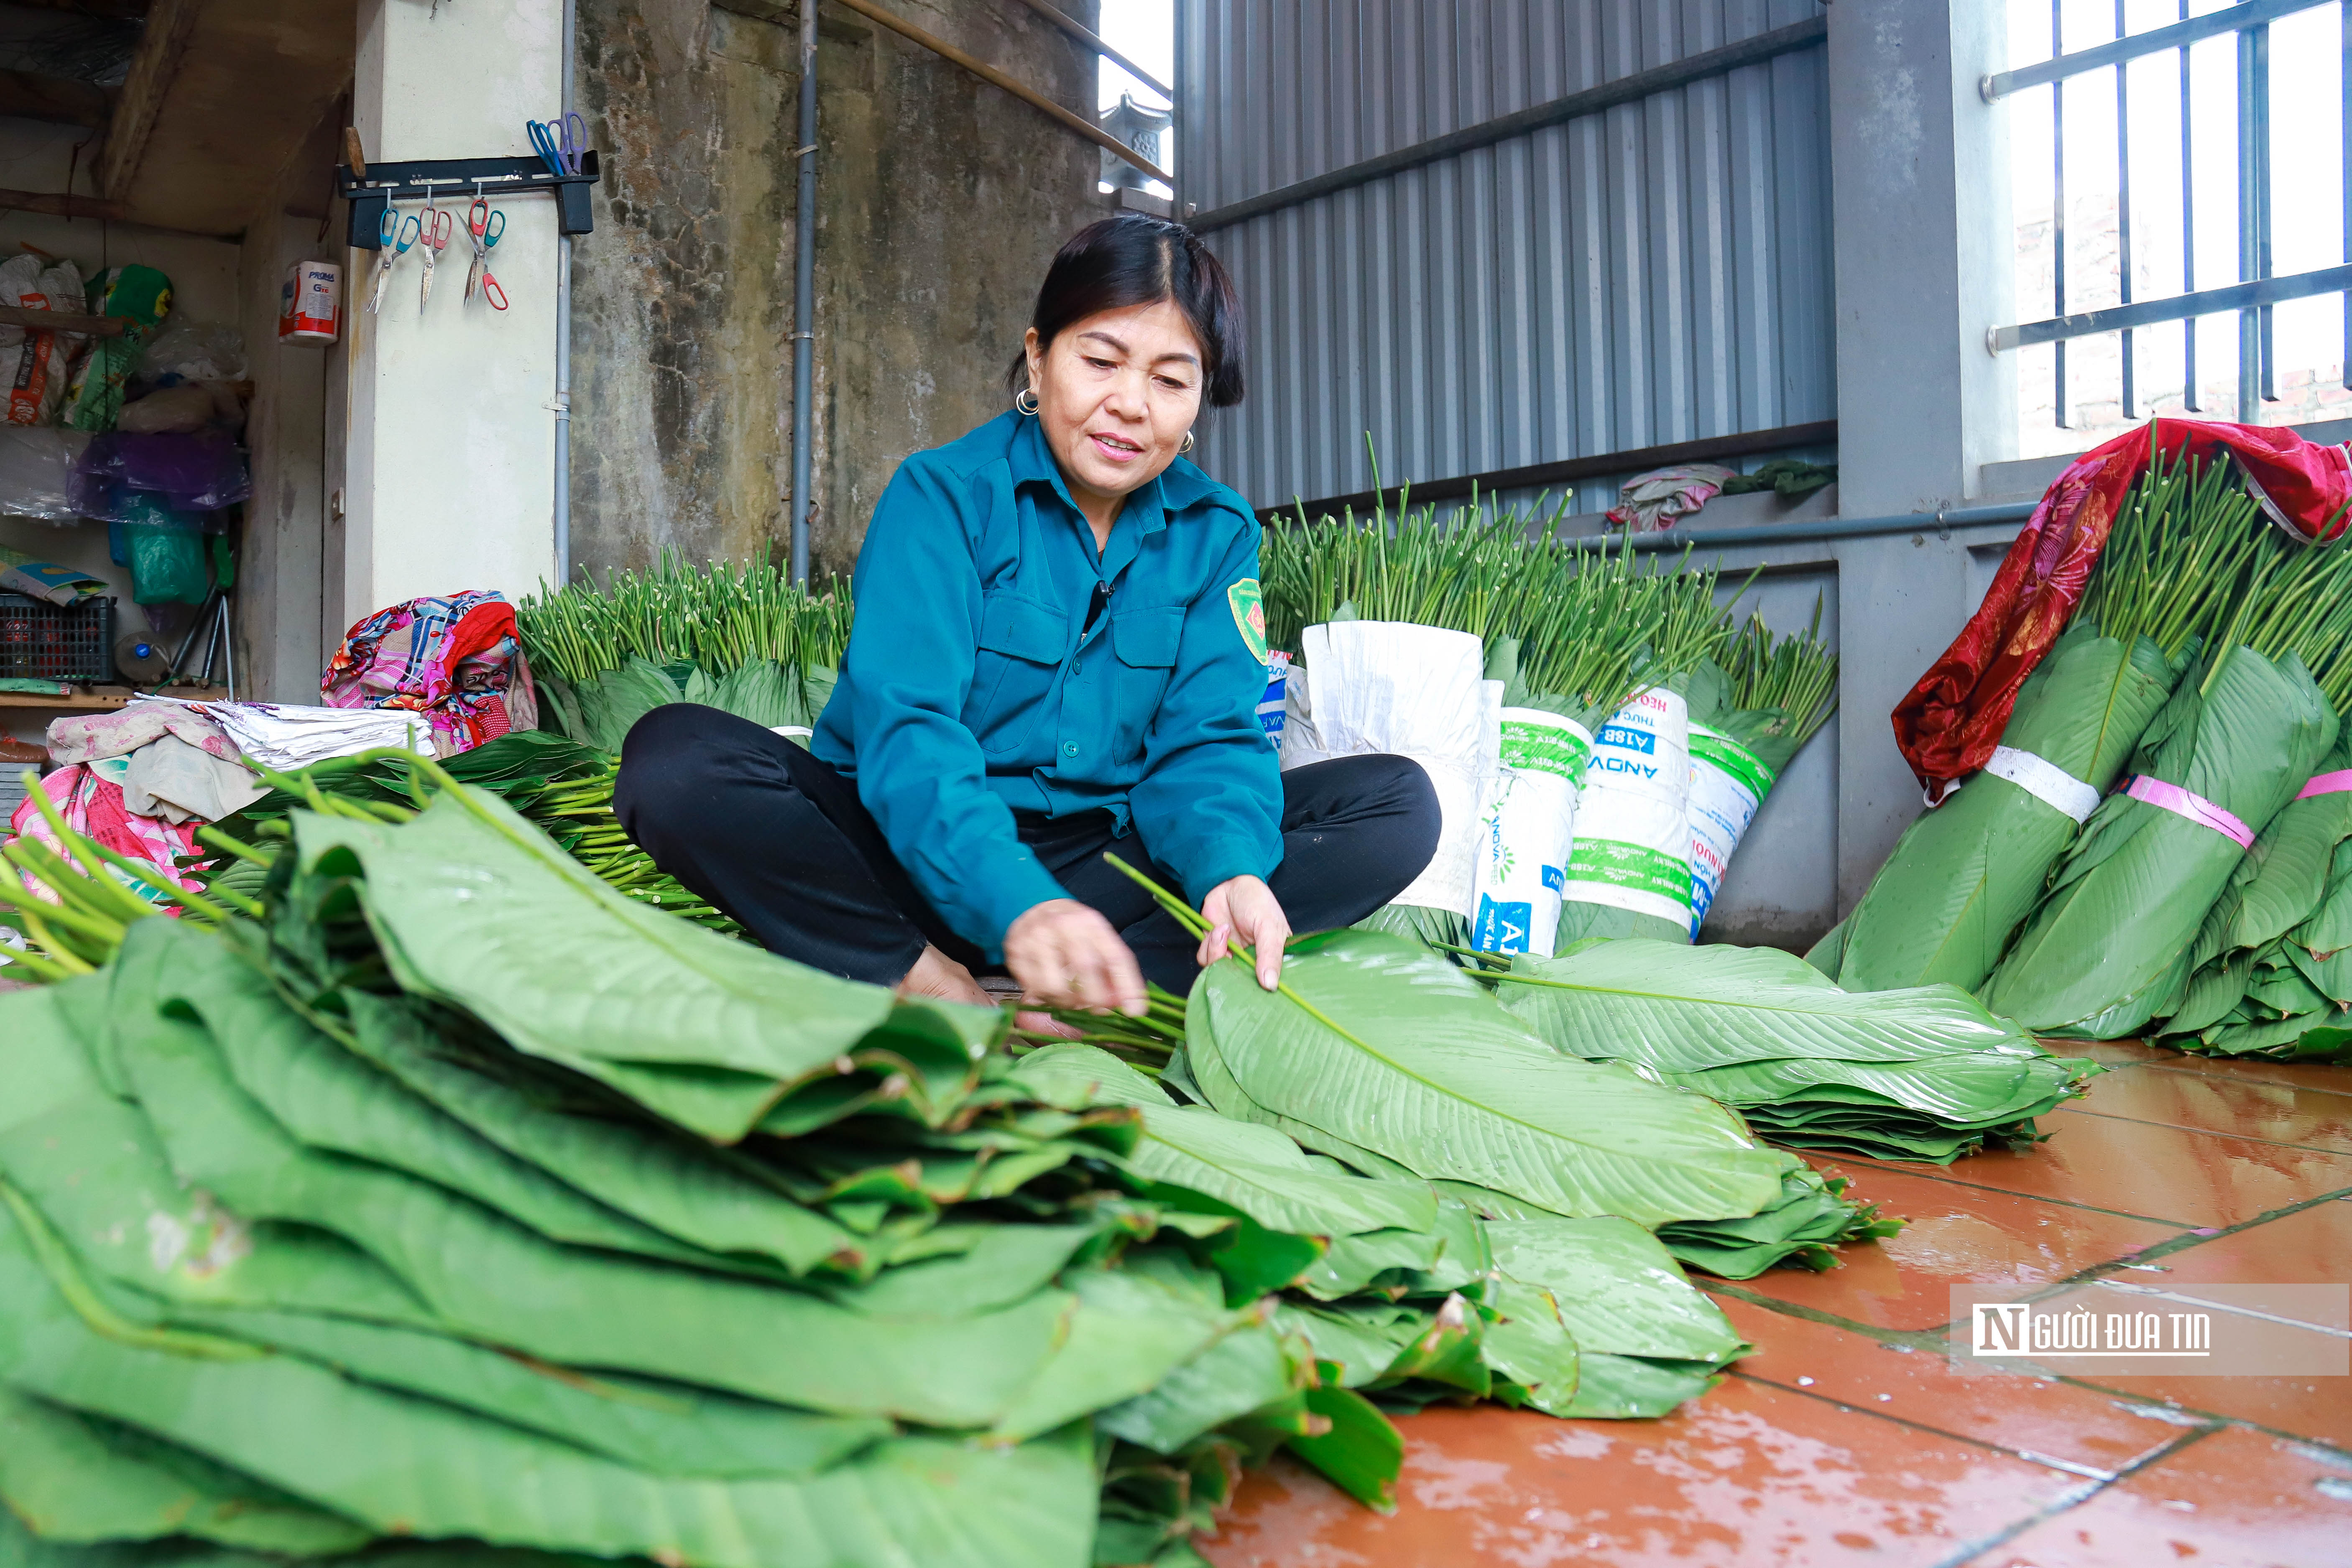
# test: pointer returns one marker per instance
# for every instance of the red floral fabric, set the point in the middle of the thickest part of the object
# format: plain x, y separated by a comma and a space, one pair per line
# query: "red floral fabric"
1949, 724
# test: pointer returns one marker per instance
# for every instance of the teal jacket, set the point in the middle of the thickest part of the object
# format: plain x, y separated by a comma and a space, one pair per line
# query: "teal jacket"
973, 687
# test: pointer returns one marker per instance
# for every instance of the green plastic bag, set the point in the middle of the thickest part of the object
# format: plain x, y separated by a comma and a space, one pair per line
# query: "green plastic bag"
142, 297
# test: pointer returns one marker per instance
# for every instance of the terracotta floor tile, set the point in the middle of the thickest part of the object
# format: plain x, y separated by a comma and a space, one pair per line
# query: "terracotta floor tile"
1957, 1235
2277, 1112
2230, 1499
2029, 1414
2310, 1247
1750, 1476
2170, 1175
2294, 1075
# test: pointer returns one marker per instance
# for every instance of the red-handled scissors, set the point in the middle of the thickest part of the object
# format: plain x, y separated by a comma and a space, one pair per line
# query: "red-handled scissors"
434, 238
484, 224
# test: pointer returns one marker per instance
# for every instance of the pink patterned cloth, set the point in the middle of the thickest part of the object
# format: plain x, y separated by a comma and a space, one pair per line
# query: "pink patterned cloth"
457, 662
88, 737
1650, 502
93, 807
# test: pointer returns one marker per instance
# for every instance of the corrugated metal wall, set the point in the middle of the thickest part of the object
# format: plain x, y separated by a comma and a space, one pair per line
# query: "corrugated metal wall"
1657, 272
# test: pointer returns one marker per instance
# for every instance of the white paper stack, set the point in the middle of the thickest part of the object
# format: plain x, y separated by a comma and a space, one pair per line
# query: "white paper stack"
283, 737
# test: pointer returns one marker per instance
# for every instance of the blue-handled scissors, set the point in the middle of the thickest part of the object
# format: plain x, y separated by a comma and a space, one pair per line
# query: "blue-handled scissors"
560, 143
387, 228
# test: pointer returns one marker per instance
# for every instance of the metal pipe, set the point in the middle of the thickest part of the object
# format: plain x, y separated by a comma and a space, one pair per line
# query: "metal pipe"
563, 339
1811, 533
804, 302
1028, 95
1095, 41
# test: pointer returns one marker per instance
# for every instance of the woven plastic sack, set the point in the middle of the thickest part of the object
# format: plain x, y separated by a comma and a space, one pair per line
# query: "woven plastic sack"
1527, 831
1633, 822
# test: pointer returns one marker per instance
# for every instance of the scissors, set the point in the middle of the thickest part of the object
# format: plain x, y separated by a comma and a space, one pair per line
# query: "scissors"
389, 254
435, 236
484, 224
560, 143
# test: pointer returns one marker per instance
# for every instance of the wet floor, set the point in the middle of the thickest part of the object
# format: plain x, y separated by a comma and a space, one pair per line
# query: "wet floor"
1848, 1436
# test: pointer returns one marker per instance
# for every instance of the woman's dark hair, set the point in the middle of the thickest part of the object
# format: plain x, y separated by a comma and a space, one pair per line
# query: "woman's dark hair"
1134, 258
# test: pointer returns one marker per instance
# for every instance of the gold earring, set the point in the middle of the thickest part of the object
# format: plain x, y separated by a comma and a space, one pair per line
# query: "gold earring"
1185, 445
1025, 400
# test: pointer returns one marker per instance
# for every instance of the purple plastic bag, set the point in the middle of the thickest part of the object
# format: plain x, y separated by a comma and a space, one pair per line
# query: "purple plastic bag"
197, 472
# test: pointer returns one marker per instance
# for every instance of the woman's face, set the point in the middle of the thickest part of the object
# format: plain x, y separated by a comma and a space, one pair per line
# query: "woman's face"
1117, 392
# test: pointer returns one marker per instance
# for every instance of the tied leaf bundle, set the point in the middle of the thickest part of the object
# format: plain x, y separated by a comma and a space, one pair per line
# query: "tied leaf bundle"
1923, 1074
2113, 945
745, 639
1963, 878
2270, 976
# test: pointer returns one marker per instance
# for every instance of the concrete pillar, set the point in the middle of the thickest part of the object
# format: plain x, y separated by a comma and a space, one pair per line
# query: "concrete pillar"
448, 472
1925, 250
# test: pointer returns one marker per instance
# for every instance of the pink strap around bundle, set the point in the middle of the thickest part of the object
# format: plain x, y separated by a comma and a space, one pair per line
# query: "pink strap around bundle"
2195, 807
2326, 783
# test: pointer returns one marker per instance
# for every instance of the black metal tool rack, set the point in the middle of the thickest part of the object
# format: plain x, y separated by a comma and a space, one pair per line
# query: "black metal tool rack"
459, 177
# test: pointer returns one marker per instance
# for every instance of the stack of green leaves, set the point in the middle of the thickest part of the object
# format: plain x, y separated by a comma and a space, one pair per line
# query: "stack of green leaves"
1381, 1054
1920, 1074
562, 787
745, 639
1963, 878
440, 1160
2113, 945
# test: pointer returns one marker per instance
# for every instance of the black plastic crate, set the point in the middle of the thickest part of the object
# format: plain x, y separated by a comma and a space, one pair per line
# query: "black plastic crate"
41, 641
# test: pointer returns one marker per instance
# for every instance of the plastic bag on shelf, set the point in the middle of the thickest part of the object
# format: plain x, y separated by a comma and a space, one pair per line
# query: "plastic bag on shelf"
192, 351
201, 473
140, 297
42, 361
36, 470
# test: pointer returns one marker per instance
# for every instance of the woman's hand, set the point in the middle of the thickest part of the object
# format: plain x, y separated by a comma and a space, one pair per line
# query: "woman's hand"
1067, 956
1244, 913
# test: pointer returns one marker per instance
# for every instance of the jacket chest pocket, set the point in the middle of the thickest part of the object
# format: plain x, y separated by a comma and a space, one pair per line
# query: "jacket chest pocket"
1021, 643
1144, 644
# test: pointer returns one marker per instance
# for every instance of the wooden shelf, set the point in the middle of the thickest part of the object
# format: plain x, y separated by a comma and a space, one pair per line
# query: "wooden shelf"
104, 699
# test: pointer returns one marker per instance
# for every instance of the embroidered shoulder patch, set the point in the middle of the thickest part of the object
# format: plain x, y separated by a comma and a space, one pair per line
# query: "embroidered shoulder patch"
1249, 614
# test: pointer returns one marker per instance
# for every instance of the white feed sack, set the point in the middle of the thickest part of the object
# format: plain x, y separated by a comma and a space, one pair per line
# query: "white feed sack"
1729, 782
1373, 687
1632, 816
1527, 831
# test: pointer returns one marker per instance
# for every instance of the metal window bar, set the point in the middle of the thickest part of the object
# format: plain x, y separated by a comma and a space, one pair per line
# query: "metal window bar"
2188, 234
2124, 210
2258, 291
2058, 205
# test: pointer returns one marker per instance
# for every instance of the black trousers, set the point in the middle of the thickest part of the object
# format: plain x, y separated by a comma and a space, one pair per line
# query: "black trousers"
779, 840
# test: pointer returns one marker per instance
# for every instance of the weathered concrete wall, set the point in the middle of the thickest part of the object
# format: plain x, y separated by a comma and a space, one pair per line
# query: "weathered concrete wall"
941, 199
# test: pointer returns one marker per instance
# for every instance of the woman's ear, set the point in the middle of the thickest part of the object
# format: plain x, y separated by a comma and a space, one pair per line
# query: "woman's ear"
1036, 352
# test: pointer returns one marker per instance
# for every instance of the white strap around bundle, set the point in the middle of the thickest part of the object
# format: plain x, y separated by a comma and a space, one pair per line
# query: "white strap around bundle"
2044, 781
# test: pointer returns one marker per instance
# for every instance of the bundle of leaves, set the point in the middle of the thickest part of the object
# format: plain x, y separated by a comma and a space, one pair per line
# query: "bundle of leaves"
434, 1189
2114, 943
743, 638
1921, 1074
1963, 878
